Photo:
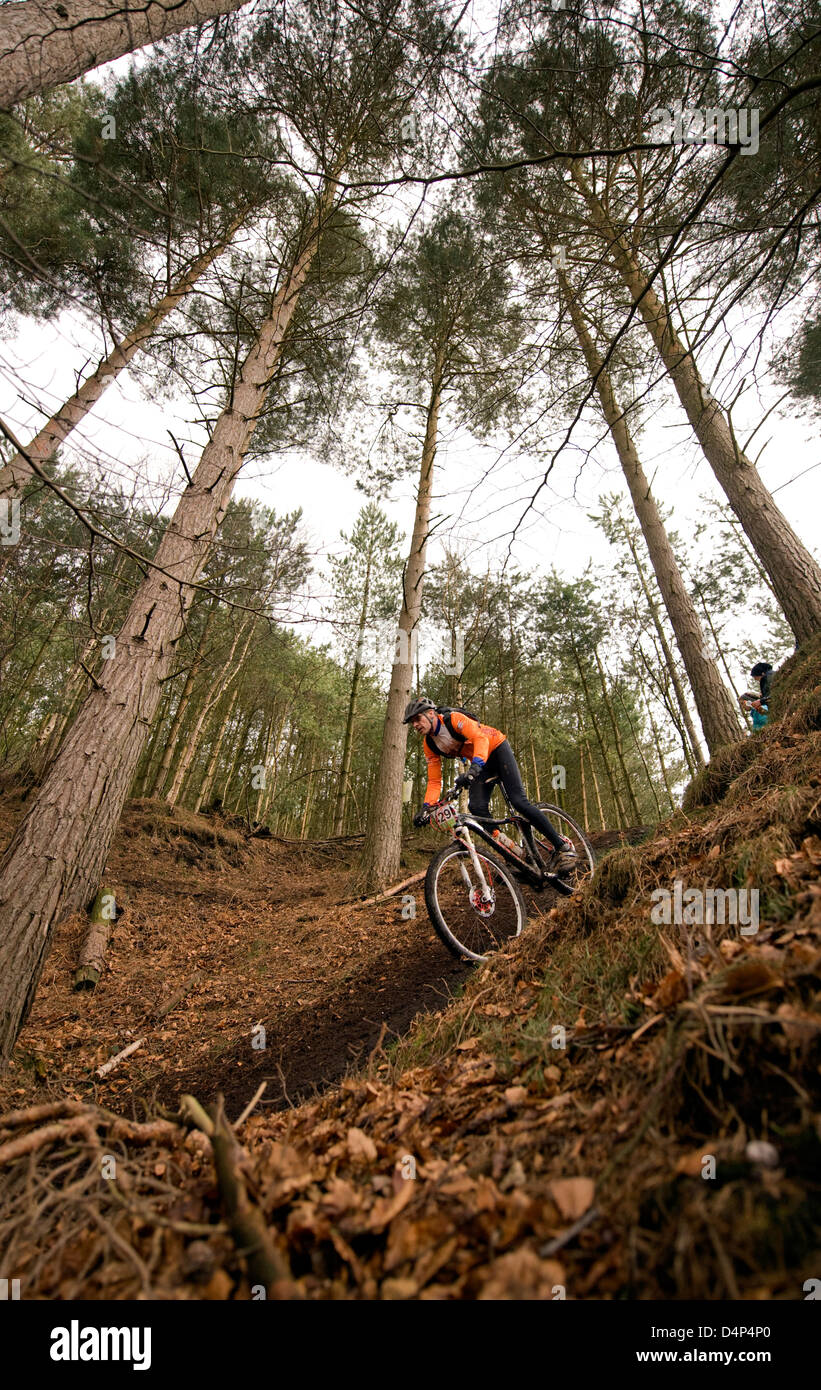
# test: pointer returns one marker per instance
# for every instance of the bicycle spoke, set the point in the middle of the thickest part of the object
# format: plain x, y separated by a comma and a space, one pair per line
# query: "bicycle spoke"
477, 924
565, 826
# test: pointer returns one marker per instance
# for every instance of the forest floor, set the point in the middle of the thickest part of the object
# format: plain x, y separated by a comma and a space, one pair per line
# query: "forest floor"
251, 932
609, 1108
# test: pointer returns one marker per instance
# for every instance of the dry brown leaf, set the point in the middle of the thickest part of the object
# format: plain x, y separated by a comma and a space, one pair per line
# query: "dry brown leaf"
573, 1196
360, 1145
488, 1195
340, 1197
434, 1260
522, 1275
515, 1095
748, 977
395, 1289
219, 1286
691, 1165
386, 1208
415, 1239
671, 991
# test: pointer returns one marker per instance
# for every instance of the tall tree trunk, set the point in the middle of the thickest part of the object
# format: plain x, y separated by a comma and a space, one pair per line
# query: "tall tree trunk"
640, 750
596, 788
219, 739
45, 44
238, 752
669, 660
514, 702
794, 574
717, 643
611, 714
614, 792
218, 688
18, 470
383, 835
56, 858
659, 753
308, 792
183, 703
585, 820
586, 746
535, 768
347, 753
347, 746
264, 761
148, 760
652, 673
715, 708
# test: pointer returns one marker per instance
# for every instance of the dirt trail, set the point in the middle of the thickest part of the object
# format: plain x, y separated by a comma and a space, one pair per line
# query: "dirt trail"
252, 934
313, 1046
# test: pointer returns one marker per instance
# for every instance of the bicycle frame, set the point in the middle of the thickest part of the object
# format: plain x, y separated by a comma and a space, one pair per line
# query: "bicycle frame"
531, 867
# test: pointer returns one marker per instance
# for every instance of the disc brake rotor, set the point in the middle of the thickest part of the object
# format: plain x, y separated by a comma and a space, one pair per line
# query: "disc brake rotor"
484, 906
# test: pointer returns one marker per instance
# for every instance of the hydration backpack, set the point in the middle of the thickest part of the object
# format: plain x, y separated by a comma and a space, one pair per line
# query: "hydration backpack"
445, 715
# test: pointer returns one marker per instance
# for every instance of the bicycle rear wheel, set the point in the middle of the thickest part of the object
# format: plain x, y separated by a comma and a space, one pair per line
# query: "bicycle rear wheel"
567, 826
469, 926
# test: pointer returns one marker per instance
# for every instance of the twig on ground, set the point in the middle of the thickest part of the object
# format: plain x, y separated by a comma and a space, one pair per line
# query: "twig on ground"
266, 1265
249, 1107
553, 1246
119, 1057
179, 996
63, 1129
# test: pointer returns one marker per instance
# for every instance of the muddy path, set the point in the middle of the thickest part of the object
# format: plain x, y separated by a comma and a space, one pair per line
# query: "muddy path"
311, 1047
221, 939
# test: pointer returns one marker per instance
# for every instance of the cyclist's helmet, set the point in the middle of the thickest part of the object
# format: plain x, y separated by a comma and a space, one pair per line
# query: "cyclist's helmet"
414, 707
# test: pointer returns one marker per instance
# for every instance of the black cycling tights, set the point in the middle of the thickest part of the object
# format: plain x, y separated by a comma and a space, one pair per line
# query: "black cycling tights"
502, 765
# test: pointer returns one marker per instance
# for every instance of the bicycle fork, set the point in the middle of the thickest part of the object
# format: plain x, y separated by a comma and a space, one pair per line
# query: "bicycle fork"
475, 861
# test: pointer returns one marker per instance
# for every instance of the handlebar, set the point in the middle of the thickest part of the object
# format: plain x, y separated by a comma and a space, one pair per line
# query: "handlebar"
444, 800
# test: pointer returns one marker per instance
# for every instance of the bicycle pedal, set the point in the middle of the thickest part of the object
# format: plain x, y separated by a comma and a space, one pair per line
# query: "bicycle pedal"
559, 884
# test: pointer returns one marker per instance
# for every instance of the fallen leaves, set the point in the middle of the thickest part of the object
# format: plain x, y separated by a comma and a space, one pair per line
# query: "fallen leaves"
521, 1274
572, 1196
360, 1145
671, 991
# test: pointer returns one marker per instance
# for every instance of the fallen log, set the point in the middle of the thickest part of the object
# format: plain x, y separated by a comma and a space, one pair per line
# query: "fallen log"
177, 998
13, 1119
92, 955
390, 892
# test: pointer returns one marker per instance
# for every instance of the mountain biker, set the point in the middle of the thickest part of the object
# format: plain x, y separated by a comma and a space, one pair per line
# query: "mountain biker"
452, 733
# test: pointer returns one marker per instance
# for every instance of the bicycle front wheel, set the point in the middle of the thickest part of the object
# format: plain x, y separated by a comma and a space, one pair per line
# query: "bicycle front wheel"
468, 922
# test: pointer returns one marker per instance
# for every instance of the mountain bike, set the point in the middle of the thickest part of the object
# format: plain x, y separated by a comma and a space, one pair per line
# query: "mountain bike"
473, 897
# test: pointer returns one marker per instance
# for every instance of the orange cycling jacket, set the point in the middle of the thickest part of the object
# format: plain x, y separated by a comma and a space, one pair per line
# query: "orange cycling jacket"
474, 740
